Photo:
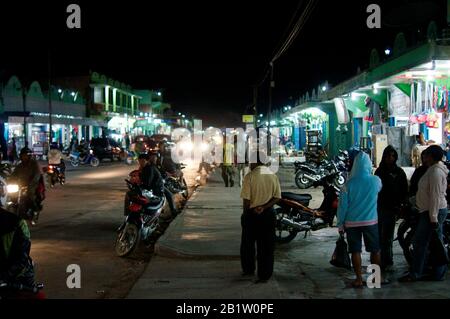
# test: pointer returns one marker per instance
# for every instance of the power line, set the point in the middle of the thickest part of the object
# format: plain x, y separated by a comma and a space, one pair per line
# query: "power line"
302, 19
296, 29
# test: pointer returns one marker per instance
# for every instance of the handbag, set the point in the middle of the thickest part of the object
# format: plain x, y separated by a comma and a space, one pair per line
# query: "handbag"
340, 257
438, 253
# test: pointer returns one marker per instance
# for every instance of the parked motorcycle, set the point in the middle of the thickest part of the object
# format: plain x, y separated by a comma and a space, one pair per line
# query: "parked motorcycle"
407, 229
306, 174
293, 214
18, 291
54, 175
141, 221
90, 159
176, 183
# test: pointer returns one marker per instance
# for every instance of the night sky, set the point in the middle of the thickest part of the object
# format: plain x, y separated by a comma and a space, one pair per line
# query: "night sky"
206, 55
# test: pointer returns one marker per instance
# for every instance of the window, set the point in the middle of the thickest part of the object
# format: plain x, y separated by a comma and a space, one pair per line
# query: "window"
118, 98
110, 94
124, 100
99, 95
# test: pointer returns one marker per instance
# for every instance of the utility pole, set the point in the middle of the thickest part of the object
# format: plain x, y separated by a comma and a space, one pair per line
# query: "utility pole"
50, 139
255, 106
269, 115
272, 85
24, 101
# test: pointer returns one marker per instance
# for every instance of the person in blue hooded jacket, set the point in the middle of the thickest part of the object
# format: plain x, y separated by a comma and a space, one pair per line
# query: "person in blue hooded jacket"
357, 213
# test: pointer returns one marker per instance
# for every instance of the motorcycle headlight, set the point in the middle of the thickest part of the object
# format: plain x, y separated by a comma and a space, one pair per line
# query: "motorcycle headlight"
91, 152
12, 188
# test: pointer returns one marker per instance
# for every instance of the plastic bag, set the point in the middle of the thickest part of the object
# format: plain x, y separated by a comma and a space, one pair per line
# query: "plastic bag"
340, 256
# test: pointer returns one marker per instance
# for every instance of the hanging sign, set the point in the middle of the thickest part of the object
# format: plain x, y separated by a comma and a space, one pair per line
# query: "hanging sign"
399, 103
341, 111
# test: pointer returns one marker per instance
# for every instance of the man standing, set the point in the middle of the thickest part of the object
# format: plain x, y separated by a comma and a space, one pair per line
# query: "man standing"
127, 141
28, 173
228, 164
260, 192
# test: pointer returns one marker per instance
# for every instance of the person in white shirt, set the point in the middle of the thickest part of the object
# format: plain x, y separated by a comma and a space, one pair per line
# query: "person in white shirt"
55, 158
432, 204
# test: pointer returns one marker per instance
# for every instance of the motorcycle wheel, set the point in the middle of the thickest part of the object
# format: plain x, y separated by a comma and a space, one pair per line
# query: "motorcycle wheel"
283, 234
127, 240
339, 181
184, 187
301, 181
74, 162
95, 162
405, 235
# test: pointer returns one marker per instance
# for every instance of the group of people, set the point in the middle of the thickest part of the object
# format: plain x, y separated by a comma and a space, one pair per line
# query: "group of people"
369, 205
15, 263
152, 164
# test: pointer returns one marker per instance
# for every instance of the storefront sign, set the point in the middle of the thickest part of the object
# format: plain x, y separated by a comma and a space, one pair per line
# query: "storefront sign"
399, 103
248, 118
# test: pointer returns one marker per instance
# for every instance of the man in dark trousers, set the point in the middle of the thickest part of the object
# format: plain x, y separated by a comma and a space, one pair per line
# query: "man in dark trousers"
260, 192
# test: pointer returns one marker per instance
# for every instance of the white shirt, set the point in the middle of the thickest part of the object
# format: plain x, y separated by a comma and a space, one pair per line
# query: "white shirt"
431, 194
54, 157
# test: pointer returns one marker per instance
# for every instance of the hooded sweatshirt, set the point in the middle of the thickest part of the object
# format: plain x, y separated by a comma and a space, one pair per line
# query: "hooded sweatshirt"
431, 195
358, 199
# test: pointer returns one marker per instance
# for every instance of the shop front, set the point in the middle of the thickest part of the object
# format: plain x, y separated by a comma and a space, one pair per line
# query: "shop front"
64, 130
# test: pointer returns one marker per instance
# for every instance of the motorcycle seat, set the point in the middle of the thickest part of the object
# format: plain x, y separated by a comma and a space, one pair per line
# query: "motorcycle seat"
300, 198
154, 204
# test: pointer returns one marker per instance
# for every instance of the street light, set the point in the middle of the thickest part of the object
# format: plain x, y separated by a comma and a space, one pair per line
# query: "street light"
159, 93
59, 91
261, 115
387, 51
324, 88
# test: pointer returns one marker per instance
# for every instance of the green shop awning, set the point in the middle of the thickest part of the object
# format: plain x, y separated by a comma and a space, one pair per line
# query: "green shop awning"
404, 87
356, 105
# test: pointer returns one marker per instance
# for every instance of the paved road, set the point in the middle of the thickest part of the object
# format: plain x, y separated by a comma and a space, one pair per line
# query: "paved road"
77, 226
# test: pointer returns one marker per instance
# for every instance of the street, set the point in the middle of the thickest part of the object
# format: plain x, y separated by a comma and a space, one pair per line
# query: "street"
78, 226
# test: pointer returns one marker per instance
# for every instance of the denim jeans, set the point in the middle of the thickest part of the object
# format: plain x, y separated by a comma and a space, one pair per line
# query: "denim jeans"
421, 242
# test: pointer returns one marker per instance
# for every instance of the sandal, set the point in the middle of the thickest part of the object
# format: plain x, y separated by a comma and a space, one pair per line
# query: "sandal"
407, 278
357, 284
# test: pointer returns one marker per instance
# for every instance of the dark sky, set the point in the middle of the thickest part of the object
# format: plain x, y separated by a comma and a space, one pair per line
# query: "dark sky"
206, 55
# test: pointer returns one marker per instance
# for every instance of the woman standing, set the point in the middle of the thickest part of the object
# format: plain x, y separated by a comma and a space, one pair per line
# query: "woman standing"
392, 196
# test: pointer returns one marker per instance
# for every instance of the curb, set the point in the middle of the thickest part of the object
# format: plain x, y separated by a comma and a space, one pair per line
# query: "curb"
167, 251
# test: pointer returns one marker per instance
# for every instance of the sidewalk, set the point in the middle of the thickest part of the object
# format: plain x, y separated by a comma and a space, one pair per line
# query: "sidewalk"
198, 256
